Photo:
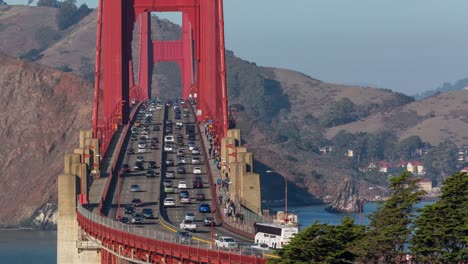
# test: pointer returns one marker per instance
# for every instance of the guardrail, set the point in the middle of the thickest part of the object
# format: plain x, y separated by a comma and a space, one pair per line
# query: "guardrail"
154, 243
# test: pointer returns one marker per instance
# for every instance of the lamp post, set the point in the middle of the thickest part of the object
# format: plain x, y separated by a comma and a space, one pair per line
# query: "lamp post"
84, 183
285, 194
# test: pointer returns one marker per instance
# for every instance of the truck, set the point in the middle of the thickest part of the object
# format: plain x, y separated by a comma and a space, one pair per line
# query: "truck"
188, 225
226, 242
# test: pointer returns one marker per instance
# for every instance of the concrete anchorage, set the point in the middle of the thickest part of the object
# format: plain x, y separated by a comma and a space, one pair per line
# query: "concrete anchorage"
70, 248
238, 166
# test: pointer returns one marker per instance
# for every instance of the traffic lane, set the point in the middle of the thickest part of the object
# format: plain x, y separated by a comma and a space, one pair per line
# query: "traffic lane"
149, 186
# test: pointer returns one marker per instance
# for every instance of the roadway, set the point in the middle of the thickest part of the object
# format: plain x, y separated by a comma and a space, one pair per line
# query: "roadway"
152, 193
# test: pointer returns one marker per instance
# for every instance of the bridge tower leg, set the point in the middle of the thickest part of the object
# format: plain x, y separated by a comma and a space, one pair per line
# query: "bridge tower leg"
67, 225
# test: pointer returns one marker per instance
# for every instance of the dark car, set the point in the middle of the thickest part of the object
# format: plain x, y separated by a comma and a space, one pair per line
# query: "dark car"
183, 236
200, 197
154, 146
197, 182
168, 130
147, 213
169, 163
177, 117
130, 151
154, 140
156, 128
181, 170
151, 173
137, 202
152, 165
125, 168
138, 166
124, 220
129, 209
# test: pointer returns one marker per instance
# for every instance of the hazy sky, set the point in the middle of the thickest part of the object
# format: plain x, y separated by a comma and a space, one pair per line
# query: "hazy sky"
407, 46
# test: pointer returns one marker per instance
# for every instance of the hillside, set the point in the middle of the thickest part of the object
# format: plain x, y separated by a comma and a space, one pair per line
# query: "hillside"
41, 113
283, 115
433, 119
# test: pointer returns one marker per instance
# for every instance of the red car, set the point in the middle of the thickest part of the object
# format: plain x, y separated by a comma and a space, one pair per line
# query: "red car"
137, 202
125, 168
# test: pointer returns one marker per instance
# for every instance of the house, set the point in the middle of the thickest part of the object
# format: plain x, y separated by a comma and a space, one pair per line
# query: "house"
326, 149
350, 153
385, 167
465, 169
415, 167
425, 184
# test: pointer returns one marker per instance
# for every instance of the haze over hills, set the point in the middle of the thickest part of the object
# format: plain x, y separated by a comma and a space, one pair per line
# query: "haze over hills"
284, 116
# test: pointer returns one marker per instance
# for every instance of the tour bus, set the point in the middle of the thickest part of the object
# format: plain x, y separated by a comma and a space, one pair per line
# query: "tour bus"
275, 236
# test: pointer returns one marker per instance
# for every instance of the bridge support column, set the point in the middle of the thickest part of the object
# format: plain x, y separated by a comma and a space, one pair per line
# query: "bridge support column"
67, 225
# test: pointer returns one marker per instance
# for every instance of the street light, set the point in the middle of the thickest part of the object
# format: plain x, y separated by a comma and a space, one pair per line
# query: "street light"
285, 194
84, 183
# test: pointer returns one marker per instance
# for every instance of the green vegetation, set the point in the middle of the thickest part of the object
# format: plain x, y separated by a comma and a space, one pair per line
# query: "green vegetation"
339, 113
87, 69
69, 14
32, 55
439, 234
441, 161
48, 3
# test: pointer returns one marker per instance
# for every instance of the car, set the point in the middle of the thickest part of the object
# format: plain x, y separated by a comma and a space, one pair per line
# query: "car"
200, 197
168, 189
147, 213
197, 170
180, 160
182, 185
154, 140
261, 246
183, 236
168, 148
184, 194
154, 146
208, 220
141, 144
144, 134
177, 126
168, 130
140, 158
180, 153
158, 107
169, 138
226, 242
188, 225
137, 202
124, 220
129, 209
181, 170
191, 145
156, 128
130, 151
152, 165
169, 163
190, 216
135, 188
195, 151
196, 160
167, 182
151, 173
197, 182
125, 168
185, 200
177, 116
137, 218
170, 174
138, 166
204, 208
169, 202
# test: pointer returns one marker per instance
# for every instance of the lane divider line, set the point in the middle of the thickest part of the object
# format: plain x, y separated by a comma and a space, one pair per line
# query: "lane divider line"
193, 237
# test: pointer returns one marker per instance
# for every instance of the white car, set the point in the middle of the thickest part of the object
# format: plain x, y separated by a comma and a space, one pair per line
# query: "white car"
195, 160
182, 185
141, 145
135, 188
197, 170
168, 148
226, 242
190, 216
188, 225
195, 151
158, 107
169, 138
169, 202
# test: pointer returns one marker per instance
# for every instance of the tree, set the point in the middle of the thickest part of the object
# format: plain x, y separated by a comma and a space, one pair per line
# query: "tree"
66, 16
441, 161
87, 69
391, 223
49, 3
3, 2
441, 233
406, 148
340, 112
322, 243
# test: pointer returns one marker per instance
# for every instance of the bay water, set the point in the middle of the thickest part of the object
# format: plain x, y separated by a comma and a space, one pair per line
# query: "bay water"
40, 247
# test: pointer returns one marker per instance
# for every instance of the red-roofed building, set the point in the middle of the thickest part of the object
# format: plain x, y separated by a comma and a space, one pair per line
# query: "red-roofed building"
465, 169
415, 167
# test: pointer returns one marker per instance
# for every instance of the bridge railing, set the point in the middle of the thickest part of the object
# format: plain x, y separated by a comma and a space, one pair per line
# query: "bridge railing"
141, 238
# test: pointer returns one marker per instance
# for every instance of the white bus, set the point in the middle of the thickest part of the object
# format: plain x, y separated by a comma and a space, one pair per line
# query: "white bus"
275, 236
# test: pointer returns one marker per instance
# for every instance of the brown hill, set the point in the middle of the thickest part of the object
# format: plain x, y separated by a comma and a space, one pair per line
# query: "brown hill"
433, 119
41, 112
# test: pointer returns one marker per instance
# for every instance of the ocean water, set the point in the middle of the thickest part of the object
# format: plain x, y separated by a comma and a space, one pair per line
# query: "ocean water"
28, 246
40, 247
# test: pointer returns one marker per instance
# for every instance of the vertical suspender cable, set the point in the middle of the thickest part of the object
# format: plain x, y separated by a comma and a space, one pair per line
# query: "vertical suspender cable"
222, 67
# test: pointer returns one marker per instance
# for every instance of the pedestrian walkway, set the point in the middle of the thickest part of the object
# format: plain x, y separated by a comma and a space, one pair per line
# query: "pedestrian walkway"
231, 215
